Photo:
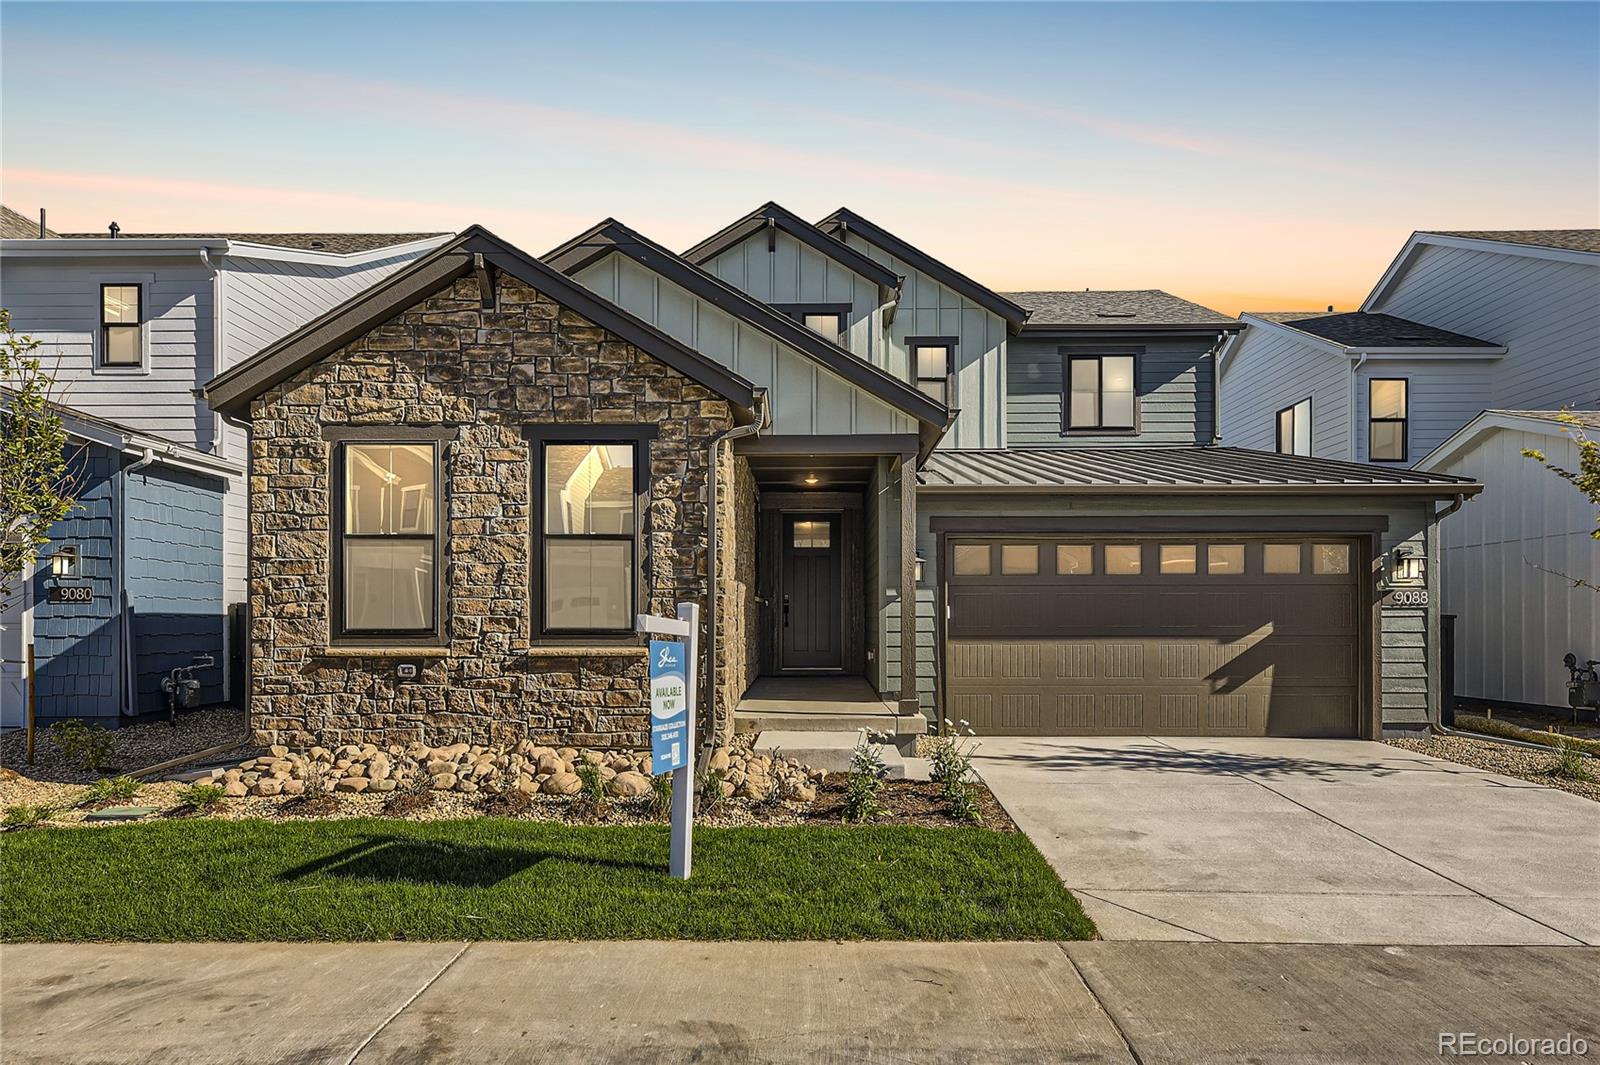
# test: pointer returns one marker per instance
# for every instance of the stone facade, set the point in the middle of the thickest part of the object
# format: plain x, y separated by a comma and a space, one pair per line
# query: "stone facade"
481, 375
738, 618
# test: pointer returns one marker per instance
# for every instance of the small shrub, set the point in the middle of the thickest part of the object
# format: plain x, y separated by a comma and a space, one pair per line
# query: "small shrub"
661, 796
711, 797
593, 791
202, 796
26, 814
951, 753
861, 801
110, 790
90, 746
1570, 763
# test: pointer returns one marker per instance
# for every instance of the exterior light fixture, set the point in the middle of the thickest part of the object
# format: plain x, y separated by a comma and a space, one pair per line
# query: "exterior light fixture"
920, 562
1407, 568
811, 479
64, 563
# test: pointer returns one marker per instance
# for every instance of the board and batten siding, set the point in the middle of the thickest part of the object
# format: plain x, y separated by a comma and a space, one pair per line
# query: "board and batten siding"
57, 302
1174, 388
1407, 640
806, 398
1269, 370
1507, 555
793, 272
1546, 312
928, 308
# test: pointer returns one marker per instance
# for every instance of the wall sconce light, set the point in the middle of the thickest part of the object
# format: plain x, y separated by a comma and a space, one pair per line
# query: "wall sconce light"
811, 480
1407, 568
64, 563
920, 562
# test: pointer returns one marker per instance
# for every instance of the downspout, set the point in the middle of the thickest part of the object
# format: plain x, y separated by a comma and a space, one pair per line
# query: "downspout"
1355, 373
714, 453
124, 629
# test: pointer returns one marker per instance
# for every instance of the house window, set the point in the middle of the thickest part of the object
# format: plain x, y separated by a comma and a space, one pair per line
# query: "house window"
1294, 429
827, 320
933, 359
121, 325
590, 527
1100, 392
388, 541
1388, 404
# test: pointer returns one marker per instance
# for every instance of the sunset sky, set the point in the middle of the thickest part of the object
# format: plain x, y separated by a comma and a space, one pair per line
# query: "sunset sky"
1249, 156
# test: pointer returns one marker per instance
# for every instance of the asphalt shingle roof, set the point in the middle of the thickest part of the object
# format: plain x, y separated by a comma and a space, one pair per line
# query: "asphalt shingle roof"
1127, 307
14, 225
1158, 469
333, 243
1565, 239
1358, 329
1589, 419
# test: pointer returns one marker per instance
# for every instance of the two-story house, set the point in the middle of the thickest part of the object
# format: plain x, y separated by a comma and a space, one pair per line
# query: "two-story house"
1460, 358
146, 571
889, 485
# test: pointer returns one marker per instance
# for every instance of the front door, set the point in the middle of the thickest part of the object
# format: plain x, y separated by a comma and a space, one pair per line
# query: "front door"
811, 625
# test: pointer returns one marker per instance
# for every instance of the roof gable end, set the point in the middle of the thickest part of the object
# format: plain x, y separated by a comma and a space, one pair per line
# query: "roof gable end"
774, 217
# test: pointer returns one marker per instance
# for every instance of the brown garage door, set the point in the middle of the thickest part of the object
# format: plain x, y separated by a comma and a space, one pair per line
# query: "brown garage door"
1215, 636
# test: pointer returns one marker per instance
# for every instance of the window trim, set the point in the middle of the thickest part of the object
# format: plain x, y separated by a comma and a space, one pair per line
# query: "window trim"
1404, 422
101, 344
338, 438
798, 312
949, 343
1099, 352
1277, 423
639, 437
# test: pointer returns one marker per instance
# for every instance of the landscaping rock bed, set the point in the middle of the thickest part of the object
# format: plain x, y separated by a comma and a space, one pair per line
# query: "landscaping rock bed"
1521, 762
135, 746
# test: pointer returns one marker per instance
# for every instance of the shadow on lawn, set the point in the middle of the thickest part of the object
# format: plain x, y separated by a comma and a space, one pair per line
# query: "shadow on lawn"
442, 863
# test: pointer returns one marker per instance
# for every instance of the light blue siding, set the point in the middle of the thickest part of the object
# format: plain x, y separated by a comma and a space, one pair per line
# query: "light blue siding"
1175, 396
1270, 369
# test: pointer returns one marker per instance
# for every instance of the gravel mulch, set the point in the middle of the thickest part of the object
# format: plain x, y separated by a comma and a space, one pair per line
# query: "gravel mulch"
137, 746
1520, 762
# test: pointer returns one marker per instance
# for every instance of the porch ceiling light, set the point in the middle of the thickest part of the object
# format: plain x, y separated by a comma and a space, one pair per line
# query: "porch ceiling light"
811, 478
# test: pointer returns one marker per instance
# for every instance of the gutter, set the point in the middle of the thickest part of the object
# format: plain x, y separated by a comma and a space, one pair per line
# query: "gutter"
714, 454
1433, 491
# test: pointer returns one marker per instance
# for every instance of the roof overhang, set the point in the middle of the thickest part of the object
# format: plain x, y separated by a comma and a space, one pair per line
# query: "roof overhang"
88, 428
146, 248
845, 221
1356, 351
1422, 239
1132, 329
611, 236
1489, 421
1440, 490
770, 218
232, 391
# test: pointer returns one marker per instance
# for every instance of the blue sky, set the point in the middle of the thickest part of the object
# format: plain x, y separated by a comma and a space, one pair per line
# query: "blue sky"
1246, 155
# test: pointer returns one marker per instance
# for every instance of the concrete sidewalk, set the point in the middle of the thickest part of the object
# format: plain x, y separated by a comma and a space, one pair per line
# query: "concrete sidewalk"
643, 1002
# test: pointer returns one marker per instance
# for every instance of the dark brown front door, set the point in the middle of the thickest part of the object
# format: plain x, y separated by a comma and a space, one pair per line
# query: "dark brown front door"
810, 609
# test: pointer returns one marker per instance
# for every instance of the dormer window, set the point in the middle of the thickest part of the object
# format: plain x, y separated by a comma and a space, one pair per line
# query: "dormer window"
827, 320
1101, 395
121, 326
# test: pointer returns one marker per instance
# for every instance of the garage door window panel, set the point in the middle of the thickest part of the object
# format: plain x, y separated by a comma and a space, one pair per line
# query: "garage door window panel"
1019, 559
1330, 560
1224, 559
1124, 560
1178, 558
1281, 559
1075, 560
971, 560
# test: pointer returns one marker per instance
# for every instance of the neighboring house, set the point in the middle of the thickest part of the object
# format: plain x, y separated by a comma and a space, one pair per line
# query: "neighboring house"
1467, 345
144, 574
469, 480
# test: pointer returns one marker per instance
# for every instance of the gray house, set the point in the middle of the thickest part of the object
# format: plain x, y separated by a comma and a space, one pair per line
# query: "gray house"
144, 574
901, 495
1461, 357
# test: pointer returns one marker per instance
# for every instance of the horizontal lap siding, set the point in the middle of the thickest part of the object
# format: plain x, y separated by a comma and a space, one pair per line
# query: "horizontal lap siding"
1175, 397
1269, 370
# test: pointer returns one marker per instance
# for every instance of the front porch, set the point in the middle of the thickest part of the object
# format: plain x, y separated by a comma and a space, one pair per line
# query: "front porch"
822, 704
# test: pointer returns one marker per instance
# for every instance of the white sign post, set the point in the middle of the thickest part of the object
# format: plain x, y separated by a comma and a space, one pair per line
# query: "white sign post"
672, 705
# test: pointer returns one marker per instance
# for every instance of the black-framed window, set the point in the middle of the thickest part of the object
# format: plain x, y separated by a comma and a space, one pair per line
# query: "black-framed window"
592, 493
121, 325
1388, 419
386, 549
1101, 392
933, 360
1294, 428
827, 320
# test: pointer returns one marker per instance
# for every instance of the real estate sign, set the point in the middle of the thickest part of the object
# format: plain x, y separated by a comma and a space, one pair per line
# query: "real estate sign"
669, 707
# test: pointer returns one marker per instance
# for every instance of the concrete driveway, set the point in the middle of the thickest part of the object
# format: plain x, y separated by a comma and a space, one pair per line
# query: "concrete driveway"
1301, 841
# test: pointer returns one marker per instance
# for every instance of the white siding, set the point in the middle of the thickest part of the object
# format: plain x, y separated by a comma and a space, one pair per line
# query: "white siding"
267, 299
1441, 397
1514, 619
1546, 312
797, 273
1269, 370
807, 398
928, 308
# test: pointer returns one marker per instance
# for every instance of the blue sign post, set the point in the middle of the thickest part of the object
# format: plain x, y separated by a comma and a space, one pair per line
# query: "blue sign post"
672, 699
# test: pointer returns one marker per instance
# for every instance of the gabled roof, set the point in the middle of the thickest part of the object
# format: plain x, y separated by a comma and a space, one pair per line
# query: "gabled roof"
1545, 422
15, 225
231, 392
1112, 309
612, 236
1564, 239
81, 425
331, 243
845, 221
771, 215
1365, 330
1159, 470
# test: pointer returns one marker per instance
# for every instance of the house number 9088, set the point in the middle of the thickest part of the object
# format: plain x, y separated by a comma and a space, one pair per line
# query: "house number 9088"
1408, 597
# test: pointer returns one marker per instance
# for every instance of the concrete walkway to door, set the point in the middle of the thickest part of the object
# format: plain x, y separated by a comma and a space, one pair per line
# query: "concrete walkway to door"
1301, 841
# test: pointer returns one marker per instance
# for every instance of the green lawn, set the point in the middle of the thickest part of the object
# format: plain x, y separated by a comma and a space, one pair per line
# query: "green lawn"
500, 879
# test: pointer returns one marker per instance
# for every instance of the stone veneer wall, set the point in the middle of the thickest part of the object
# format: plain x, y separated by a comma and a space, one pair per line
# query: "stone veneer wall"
485, 373
738, 619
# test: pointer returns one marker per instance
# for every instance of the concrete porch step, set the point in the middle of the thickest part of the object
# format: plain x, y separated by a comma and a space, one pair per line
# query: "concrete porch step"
830, 750
899, 725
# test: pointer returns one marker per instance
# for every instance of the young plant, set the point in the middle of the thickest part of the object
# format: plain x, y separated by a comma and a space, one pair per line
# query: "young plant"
593, 791
90, 746
867, 771
661, 796
951, 755
711, 796
202, 796
1570, 762
26, 814
110, 790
